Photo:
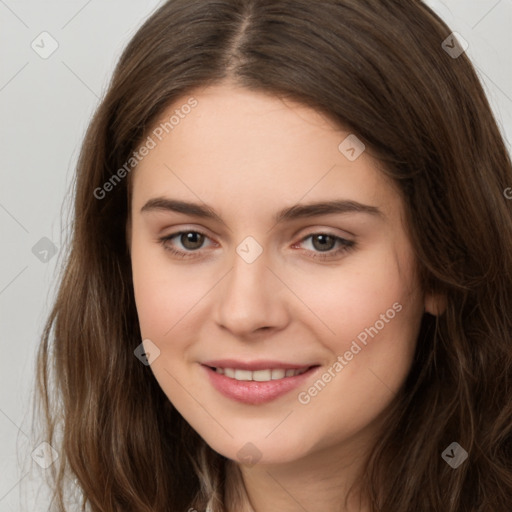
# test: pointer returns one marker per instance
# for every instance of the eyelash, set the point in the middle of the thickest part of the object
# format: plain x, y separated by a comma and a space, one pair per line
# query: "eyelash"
346, 245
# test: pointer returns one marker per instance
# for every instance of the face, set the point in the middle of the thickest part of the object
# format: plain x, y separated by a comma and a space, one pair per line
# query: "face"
309, 314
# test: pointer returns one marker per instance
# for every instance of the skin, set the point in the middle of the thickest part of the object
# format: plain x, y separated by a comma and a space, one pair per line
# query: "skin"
248, 155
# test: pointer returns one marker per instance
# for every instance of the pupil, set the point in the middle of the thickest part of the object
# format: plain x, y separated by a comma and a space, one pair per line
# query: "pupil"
324, 238
187, 239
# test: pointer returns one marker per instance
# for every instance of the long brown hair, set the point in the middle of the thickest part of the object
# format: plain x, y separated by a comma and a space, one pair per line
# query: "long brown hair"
378, 68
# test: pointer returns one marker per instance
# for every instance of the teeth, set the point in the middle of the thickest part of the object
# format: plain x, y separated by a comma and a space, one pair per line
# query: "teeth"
278, 374
259, 375
243, 375
262, 375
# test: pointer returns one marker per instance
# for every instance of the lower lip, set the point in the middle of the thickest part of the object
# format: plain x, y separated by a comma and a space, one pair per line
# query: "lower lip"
254, 392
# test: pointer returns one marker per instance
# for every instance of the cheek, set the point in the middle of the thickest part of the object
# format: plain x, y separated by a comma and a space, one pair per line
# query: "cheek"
165, 292
375, 315
368, 293
165, 296
159, 299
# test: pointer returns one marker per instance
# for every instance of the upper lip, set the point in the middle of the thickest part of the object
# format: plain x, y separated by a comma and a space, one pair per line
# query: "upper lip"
255, 365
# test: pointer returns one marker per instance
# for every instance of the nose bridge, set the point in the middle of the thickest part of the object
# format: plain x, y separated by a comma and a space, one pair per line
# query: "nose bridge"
250, 295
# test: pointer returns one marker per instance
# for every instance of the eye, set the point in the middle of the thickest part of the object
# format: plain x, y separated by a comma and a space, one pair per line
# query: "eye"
190, 240
324, 243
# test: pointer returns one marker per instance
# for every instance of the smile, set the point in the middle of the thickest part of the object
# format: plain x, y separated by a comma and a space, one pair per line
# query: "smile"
260, 375
256, 383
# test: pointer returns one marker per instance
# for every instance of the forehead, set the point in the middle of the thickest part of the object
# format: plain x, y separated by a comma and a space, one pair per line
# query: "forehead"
253, 147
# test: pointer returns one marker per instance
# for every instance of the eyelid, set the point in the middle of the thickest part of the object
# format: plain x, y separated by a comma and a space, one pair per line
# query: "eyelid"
180, 228
320, 229
301, 234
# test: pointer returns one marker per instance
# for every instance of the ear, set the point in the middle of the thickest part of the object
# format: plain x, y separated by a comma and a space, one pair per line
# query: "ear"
435, 303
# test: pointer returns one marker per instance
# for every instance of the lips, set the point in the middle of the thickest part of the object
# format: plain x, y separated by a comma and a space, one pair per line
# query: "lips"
256, 382
255, 365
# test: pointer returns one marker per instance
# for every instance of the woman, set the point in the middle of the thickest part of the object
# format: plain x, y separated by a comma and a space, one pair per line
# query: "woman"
291, 270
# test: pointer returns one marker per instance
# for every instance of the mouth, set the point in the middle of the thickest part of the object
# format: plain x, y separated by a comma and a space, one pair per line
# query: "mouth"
264, 375
256, 383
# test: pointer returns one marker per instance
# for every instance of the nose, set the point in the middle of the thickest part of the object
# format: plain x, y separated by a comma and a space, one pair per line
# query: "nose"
251, 298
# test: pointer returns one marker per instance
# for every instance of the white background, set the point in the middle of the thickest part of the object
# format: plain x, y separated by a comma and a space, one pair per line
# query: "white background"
45, 106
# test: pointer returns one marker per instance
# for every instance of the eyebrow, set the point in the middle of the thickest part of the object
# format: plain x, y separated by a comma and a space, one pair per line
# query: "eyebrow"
298, 211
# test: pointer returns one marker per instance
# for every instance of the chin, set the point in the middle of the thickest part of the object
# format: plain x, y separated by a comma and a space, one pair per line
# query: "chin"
259, 451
